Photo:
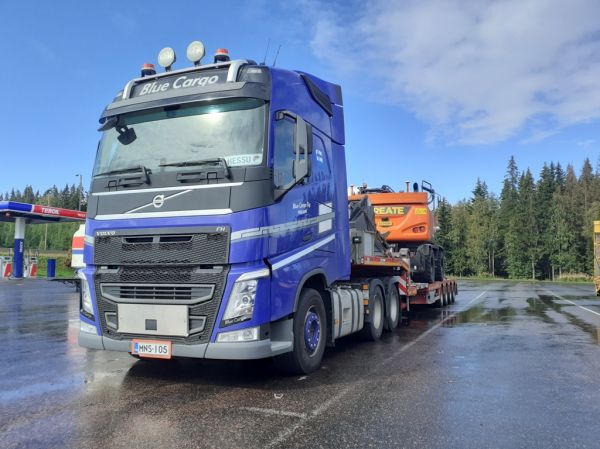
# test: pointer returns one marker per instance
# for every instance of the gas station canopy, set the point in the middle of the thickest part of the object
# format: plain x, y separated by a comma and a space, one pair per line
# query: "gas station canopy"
22, 214
35, 214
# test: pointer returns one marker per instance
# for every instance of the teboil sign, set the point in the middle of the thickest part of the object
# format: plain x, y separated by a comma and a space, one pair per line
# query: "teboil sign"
179, 82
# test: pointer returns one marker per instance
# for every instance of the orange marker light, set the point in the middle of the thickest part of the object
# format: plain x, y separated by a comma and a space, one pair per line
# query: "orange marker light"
221, 55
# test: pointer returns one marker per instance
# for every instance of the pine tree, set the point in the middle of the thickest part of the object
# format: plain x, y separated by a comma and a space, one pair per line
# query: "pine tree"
459, 261
507, 228
443, 215
481, 235
546, 186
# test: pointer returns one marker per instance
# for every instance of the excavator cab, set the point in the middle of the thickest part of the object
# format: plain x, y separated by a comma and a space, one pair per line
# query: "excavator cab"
406, 221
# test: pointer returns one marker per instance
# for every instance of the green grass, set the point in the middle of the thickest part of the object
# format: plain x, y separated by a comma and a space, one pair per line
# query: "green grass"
62, 270
62, 257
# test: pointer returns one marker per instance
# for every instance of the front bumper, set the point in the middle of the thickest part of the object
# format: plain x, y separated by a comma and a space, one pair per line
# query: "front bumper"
281, 342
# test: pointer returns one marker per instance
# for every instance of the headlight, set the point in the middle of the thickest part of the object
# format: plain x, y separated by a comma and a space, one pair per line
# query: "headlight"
240, 306
86, 296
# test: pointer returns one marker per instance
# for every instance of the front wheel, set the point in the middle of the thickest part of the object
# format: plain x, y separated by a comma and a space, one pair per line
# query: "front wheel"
310, 335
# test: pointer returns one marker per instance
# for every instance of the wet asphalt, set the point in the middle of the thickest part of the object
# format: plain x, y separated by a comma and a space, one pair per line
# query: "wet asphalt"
509, 365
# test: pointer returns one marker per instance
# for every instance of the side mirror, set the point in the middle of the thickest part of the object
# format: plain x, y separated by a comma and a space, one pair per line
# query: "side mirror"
109, 123
301, 148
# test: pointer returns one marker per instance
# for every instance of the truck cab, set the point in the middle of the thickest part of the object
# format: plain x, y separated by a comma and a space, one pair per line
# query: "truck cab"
218, 199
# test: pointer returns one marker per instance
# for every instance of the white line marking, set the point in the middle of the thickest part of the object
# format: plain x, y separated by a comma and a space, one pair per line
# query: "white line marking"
327, 404
571, 302
175, 213
271, 411
302, 253
169, 189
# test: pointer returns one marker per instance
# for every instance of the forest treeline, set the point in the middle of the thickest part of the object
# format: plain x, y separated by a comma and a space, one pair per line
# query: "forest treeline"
535, 229
55, 236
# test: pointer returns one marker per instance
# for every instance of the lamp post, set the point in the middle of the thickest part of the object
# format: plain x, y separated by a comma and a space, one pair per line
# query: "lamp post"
80, 192
48, 194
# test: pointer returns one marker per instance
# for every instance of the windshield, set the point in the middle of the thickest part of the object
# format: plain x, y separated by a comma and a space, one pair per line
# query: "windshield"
230, 129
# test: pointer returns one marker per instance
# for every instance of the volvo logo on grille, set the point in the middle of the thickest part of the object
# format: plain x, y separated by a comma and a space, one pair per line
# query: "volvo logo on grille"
158, 201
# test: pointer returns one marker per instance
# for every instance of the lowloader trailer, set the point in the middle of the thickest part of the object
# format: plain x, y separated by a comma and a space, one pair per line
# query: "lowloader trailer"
219, 224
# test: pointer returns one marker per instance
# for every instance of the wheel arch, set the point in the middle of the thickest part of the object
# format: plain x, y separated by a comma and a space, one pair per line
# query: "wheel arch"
317, 280
313, 279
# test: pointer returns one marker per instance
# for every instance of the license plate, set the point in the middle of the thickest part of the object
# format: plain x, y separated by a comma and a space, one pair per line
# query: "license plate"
154, 349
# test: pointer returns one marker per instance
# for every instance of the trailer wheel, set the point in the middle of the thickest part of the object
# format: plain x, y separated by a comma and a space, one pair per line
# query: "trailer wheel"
310, 335
393, 311
441, 302
451, 292
374, 321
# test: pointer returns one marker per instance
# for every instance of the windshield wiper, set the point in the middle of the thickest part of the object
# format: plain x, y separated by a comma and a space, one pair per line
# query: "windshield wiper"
118, 171
219, 160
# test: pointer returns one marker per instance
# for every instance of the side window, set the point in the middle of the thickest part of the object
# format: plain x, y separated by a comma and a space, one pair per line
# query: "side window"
283, 157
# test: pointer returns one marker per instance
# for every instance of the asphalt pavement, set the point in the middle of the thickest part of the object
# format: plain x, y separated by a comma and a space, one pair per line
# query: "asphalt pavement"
509, 365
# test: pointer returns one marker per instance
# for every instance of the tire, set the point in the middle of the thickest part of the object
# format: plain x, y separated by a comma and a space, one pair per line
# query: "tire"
393, 311
439, 265
431, 274
440, 302
451, 291
374, 321
310, 335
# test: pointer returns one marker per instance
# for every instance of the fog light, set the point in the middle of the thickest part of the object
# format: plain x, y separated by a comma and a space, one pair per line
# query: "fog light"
87, 328
249, 334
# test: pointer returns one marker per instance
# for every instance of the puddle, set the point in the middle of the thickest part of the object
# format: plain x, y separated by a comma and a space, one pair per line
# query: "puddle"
545, 306
483, 315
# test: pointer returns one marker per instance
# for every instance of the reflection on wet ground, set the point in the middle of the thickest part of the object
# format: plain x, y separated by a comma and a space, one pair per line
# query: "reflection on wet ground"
550, 310
510, 364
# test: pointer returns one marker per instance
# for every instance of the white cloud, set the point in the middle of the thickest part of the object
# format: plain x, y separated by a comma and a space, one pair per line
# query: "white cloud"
478, 71
587, 143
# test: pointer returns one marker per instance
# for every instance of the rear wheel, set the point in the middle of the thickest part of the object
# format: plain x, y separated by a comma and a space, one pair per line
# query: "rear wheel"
310, 335
451, 291
392, 316
374, 320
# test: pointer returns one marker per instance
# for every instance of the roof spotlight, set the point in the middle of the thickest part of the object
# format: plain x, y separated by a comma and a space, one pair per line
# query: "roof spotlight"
166, 58
195, 52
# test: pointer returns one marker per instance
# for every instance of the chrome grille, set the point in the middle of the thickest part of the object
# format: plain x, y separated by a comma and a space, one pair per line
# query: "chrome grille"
205, 311
154, 247
157, 293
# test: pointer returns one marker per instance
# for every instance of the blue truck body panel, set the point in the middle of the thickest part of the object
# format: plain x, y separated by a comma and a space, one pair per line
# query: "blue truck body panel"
305, 232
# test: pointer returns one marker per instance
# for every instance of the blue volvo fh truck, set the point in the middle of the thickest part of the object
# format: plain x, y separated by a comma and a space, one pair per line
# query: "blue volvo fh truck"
218, 222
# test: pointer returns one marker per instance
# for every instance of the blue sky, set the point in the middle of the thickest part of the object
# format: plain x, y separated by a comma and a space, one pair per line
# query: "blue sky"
440, 90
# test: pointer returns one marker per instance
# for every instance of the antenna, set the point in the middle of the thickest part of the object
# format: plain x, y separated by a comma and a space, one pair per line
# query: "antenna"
276, 54
266, 52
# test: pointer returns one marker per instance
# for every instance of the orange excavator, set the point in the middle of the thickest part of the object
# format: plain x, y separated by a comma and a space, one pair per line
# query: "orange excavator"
406, 222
